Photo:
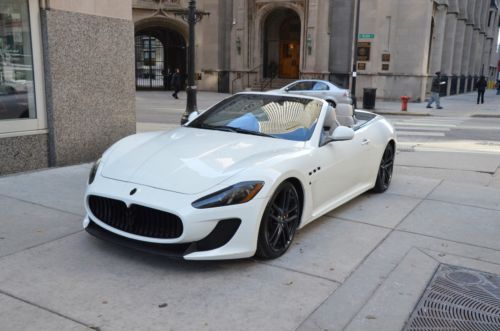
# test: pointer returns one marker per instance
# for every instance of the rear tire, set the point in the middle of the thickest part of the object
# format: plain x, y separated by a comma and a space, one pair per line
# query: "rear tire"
385, 170
279, 223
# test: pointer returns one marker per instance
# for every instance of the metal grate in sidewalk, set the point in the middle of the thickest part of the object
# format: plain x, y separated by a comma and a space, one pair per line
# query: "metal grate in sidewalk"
458, 299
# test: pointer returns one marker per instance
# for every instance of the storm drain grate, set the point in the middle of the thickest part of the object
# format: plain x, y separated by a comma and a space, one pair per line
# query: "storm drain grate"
458, 299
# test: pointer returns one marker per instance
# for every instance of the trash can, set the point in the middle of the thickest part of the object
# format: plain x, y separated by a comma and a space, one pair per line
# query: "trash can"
369, 95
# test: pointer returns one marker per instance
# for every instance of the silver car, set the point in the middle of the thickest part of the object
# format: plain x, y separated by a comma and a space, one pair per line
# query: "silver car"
318, 88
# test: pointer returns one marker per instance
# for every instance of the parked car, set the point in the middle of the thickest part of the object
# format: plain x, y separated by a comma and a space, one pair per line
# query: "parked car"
239, 179
13, 105
318, 88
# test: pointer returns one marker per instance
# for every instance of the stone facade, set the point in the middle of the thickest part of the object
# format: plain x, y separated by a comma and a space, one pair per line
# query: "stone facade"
85, 97
408, 41
89, 85
456, 37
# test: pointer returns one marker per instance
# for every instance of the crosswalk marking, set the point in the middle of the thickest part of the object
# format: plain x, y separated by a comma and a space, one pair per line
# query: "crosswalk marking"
426, 127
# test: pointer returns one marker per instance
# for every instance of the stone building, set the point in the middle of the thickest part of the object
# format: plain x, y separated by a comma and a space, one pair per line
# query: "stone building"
411, 40
243, 43
66, 80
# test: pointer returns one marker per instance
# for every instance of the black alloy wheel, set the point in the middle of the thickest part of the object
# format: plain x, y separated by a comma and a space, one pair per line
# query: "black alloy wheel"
385, 170
279, 222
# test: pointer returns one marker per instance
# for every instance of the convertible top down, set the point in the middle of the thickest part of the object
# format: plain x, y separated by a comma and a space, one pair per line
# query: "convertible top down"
239, 179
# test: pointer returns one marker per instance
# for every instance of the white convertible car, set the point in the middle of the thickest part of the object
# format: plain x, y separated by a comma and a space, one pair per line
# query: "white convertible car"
239, 179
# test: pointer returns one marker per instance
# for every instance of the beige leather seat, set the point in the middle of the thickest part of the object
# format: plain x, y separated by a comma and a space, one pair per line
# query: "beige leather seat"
345, 115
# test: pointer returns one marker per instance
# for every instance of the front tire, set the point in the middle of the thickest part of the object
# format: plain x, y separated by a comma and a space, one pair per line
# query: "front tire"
385, 170
280, 222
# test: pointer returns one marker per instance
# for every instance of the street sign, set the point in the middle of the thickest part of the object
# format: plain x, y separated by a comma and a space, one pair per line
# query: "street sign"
366, 36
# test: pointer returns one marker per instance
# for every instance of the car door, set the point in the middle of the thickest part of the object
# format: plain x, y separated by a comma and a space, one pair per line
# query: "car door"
340, 172
301, 87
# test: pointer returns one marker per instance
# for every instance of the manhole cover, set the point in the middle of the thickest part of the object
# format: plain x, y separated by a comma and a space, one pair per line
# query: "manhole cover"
458, 299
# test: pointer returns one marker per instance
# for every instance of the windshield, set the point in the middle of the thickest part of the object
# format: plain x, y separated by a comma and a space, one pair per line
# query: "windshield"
284, 117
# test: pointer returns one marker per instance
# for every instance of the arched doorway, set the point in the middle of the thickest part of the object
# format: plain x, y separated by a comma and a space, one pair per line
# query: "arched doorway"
282, 44
158, 51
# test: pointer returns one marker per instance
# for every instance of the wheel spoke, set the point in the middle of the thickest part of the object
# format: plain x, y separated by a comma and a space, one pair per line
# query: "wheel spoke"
279, 230
286, 236
277, 208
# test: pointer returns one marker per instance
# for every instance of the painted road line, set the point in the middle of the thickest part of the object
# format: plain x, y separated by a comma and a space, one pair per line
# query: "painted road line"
419, 133
430, 124
422, 128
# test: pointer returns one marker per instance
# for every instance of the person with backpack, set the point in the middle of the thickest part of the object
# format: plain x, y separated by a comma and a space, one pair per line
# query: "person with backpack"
481, 85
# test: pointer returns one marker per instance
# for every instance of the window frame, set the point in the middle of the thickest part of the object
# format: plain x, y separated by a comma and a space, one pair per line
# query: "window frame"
38, 125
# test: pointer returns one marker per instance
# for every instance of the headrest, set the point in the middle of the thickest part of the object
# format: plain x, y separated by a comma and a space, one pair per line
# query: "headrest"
330, 118
344, 110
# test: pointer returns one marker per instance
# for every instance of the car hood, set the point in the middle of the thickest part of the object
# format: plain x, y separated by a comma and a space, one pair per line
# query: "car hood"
188, 160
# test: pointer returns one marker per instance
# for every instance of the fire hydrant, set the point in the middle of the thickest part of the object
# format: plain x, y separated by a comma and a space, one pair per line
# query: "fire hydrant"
404, 102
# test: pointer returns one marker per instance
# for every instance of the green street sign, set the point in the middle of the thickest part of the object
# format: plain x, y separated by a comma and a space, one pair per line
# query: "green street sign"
366, 36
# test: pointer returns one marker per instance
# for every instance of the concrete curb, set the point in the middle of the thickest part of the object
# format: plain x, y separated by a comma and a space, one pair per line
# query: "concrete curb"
486, 115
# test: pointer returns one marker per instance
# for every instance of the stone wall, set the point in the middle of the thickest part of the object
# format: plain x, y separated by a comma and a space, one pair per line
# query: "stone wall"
23, 153
89, 75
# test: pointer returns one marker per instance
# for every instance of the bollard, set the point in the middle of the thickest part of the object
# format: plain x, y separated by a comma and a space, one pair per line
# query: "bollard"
404, 102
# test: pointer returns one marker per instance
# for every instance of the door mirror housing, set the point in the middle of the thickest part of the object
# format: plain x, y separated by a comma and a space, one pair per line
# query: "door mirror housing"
342, 133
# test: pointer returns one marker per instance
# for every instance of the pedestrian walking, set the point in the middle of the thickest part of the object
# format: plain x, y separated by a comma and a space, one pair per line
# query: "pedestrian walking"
176, 82
498, 87
435, 89
481, 85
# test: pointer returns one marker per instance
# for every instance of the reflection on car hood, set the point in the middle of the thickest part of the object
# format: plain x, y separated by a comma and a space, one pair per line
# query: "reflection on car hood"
188, 160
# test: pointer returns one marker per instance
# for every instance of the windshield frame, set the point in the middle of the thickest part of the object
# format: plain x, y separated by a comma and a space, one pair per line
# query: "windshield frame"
197, 123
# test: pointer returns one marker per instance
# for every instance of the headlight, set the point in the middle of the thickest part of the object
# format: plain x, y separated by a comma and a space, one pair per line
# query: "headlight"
233, 195
93, 171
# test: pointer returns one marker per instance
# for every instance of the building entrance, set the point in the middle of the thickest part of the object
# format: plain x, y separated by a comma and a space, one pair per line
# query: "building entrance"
158, 52
282, 44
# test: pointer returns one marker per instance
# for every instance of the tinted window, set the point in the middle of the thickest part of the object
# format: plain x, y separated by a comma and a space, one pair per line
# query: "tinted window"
320, 86
301, 86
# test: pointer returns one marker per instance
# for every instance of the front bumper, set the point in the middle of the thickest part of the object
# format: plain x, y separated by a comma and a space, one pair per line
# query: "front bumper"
207, 233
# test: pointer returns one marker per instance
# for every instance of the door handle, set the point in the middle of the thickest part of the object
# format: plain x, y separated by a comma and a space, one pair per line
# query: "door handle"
365, 142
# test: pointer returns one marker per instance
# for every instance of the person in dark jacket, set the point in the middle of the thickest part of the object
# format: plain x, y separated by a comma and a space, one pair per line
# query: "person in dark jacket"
498, 87
176, 82
435, 89
481, 88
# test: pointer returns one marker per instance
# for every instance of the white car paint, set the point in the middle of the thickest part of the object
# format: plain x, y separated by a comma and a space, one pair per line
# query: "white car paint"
171, 170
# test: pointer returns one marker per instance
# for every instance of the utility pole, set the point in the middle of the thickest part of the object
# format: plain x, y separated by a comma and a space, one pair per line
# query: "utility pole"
355, 53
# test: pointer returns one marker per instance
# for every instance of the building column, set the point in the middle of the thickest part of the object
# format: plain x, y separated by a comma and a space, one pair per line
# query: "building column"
449, 42
459, 47
438, 38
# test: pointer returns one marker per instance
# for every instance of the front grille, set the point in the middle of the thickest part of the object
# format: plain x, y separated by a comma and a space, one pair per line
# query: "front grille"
136, 219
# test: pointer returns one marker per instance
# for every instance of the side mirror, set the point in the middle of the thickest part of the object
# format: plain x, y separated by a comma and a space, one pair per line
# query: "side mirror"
193, 116
287, 89
342, 133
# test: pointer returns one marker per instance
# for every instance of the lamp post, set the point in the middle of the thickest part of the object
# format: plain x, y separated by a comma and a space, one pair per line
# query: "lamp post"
191, 88
355, 55
192, 17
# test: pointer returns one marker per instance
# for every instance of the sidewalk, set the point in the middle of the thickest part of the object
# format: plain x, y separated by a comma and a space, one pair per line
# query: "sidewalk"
363, 266
463, 105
